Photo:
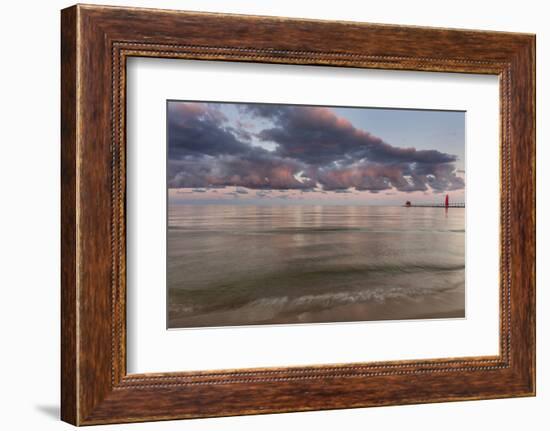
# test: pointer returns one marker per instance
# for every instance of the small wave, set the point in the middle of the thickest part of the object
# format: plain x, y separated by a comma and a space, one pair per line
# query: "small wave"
271, 307
302, 290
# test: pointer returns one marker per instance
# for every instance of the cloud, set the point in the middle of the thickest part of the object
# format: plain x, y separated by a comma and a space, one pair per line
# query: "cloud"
313, 149
317, 135
201, 130
255, 170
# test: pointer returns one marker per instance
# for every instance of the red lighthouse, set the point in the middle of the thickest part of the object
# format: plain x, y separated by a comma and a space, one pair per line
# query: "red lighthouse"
446, 201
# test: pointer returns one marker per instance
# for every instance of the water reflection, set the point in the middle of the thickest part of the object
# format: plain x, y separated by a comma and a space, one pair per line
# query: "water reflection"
233, 265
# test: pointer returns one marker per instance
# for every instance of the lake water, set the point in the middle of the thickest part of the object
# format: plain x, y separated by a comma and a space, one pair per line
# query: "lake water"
248, 265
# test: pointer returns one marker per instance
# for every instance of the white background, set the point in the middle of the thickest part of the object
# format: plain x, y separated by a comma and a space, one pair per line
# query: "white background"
152, 349
29, 216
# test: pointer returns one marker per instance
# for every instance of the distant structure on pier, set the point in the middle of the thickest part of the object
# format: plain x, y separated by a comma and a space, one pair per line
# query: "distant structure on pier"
445, 204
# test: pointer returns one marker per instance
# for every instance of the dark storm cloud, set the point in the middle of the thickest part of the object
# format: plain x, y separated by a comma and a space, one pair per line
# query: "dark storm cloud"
255, 170
313, 147
200, 129
317, 135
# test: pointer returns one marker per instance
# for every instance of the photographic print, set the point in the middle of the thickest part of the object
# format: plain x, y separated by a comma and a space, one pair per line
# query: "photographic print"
287, 214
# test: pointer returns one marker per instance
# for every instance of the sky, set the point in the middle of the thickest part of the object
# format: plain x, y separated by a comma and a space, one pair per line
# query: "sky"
249, 153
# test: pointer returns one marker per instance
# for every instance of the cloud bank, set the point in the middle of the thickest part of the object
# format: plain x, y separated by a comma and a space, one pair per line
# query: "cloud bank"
286, 147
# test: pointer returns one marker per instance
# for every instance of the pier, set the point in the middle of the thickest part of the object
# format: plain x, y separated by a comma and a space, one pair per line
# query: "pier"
451, 205
445, 204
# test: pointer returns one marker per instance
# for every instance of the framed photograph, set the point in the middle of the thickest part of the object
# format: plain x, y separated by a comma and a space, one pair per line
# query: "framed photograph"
264, 215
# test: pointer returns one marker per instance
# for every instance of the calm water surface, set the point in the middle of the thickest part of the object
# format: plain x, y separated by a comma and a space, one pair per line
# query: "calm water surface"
247, 265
